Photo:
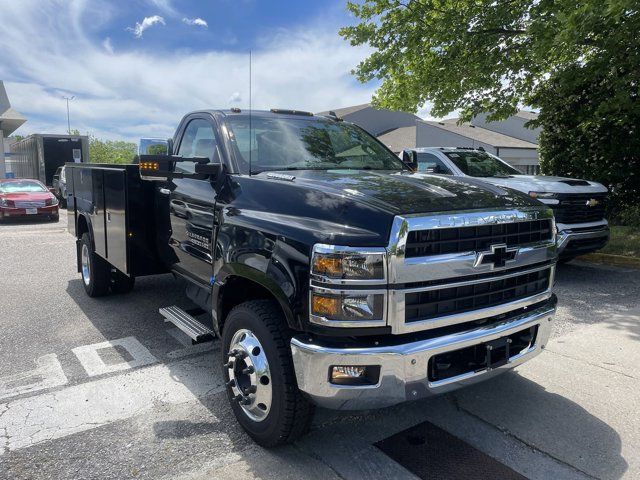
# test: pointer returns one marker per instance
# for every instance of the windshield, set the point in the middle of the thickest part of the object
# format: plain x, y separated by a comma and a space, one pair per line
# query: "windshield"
306, 144
21, 186
480, 164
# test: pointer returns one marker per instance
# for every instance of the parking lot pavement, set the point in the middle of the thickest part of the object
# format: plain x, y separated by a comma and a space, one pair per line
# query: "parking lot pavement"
102, 388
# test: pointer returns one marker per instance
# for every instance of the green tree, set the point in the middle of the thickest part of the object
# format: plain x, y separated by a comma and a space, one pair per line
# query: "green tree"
111, 151
484, 55
578, 61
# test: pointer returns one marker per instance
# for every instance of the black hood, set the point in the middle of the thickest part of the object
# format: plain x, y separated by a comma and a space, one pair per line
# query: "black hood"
354, 207
403, 192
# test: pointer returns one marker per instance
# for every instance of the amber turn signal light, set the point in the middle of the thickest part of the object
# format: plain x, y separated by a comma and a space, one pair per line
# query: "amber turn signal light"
327, 265
325, 306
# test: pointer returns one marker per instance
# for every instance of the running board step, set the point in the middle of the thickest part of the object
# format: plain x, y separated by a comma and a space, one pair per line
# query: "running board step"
194, 329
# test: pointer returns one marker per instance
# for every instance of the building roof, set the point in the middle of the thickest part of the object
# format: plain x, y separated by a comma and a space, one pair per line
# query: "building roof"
481, 134
527, 115
341, 112
399, 138
10, 119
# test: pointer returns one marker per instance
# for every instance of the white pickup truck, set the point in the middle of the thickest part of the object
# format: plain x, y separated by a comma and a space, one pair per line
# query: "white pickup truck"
578, 205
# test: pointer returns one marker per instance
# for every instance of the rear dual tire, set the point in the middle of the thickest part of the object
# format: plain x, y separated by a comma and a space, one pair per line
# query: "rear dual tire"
98, 277
266, 401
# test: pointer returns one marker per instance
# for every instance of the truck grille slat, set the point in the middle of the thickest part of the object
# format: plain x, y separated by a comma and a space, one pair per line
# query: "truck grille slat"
574, 208
452, 300
421, 243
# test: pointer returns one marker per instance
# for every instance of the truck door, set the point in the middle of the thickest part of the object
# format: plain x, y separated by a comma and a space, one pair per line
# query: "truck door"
192, 202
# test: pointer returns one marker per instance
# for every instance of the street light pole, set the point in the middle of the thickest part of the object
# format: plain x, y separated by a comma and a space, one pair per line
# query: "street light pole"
68, 121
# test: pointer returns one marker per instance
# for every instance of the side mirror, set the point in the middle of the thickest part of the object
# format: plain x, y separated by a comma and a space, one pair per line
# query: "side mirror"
154, 146
410, 159
156, 167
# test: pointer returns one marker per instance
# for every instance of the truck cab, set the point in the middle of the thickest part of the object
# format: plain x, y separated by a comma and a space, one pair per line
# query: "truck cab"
332, 273
578, 205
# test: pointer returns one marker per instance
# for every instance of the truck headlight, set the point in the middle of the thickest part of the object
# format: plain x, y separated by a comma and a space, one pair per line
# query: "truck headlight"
348, 306
332, 262
550, 198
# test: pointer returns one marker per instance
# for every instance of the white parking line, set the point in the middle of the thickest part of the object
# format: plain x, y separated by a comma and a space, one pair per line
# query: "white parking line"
29, 421
90, 359
48, 374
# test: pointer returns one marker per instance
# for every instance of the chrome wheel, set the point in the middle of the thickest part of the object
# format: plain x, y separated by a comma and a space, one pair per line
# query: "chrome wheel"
249, 375
86, 266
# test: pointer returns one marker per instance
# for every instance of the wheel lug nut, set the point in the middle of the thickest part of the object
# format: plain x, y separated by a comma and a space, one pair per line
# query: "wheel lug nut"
250, 389
238, 397
229, 364
231, 383
246, 401
247, 371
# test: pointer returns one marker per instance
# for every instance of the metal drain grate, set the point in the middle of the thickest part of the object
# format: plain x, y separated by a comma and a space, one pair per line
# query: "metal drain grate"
432, 453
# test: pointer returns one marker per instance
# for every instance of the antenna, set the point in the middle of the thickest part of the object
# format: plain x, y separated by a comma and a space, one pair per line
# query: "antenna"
250, 125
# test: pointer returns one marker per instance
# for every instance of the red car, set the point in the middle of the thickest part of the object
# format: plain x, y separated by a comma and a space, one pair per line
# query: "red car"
23, 197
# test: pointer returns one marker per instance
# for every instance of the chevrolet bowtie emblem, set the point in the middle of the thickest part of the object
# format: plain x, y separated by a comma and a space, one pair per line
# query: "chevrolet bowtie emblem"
497, 256
592, 202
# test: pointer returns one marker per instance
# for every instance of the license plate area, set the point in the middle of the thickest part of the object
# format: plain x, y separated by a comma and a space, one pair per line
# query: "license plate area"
484, 356
32, 211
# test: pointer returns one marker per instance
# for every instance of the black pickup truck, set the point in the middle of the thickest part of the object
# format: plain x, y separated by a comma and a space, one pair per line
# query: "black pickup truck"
334, 274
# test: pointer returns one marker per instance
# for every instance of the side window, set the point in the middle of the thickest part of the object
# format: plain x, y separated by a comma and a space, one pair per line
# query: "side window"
428, 162
198, 140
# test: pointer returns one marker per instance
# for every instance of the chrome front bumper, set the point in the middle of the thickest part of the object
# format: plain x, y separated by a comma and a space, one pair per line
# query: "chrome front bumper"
404, 367
571, 233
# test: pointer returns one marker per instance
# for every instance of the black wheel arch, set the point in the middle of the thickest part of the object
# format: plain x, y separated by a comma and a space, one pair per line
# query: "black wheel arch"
237, 284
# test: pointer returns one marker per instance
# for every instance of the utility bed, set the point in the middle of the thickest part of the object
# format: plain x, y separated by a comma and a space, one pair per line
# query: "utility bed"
122, 210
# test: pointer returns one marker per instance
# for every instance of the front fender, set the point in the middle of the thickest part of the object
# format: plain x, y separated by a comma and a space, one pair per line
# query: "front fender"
274, 280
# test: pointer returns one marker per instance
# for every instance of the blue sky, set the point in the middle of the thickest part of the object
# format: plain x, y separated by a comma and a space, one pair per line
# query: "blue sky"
135, 67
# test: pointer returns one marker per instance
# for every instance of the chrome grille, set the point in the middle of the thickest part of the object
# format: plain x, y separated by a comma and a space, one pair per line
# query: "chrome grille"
34, 204
574, 208
437, 276
433, 303
421, 243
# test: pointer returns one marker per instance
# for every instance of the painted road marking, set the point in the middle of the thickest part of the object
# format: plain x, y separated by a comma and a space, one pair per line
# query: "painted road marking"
94, 363
48, 416
48, 374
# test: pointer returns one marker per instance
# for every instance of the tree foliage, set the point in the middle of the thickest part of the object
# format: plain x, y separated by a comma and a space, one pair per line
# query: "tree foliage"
111, 151
482, 55
590, 119
578, 61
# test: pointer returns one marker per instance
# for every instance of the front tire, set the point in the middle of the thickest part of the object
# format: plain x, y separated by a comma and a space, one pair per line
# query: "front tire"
261, 383
95, 271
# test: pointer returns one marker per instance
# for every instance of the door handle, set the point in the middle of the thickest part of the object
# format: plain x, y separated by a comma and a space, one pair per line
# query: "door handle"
108, 216
165, 191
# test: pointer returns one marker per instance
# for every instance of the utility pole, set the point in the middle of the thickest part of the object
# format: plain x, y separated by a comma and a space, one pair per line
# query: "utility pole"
68, 121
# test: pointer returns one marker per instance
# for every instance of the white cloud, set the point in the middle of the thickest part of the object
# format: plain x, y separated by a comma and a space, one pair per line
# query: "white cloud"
132, 93
108, 46
146, 23
199, 22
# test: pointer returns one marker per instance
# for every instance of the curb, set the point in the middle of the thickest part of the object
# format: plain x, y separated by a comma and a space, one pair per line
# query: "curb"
608, 259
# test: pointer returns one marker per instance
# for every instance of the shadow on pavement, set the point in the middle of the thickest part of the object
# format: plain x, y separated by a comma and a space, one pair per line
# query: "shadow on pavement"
136, 314
547, 421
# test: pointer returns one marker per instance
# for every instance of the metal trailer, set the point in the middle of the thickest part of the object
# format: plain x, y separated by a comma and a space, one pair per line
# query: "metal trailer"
39, 155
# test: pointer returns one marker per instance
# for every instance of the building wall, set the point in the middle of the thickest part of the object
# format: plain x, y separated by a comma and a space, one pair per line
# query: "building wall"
377, 121
512, 126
